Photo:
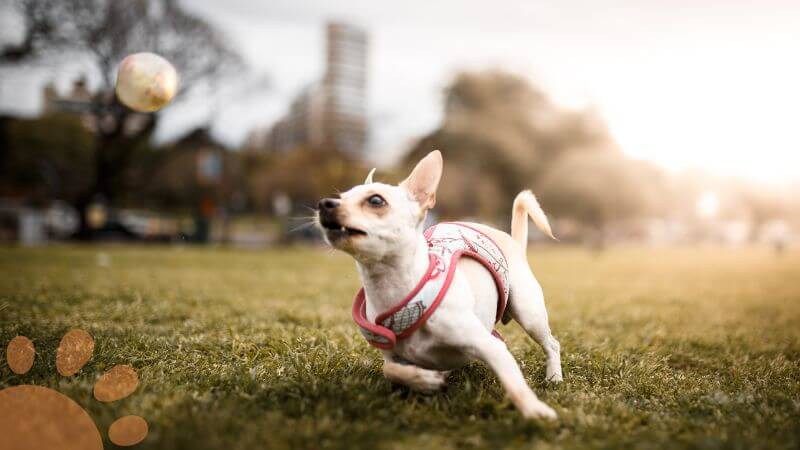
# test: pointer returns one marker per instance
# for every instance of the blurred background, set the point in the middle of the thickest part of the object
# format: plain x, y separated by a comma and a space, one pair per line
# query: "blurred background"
633, 122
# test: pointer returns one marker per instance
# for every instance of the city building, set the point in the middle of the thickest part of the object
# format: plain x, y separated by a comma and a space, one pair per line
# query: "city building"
331, 113
81, 101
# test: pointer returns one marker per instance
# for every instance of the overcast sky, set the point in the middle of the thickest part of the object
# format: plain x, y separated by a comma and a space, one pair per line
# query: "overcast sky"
707, 84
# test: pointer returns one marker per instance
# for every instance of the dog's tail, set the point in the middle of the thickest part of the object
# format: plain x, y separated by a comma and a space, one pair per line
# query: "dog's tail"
525, 205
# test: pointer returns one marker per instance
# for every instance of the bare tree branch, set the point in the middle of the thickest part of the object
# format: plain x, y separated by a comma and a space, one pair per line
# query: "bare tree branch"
102, 33
107, 30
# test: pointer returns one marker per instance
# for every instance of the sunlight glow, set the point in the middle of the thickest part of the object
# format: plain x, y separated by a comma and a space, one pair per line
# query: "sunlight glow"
708, 205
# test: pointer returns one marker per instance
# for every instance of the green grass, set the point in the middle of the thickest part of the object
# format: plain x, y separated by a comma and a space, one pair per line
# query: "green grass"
238, 350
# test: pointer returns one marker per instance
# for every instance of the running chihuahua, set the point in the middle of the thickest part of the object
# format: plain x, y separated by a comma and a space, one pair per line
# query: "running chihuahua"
430, 299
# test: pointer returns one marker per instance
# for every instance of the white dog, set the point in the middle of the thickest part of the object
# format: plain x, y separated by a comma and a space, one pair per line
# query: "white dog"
430, 300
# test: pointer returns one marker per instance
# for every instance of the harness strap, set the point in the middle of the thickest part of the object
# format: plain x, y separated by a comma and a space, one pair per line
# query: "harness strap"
381, 333
406, 317
377, 335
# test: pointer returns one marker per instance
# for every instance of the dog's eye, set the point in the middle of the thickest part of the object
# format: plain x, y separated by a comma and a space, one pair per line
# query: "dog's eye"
376, 201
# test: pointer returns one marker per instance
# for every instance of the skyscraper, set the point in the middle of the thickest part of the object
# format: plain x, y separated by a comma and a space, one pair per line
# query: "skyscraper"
331, 113
344, 116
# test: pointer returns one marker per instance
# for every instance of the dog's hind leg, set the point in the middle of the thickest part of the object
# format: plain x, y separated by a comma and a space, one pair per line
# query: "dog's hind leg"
527, 308
527, 300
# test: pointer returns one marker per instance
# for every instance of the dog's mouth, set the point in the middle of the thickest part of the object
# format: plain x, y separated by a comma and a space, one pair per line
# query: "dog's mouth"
336, 230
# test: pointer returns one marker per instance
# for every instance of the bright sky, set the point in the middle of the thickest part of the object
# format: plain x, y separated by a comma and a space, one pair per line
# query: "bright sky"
712, 84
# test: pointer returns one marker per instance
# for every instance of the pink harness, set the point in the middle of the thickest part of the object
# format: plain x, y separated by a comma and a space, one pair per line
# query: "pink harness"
447, 242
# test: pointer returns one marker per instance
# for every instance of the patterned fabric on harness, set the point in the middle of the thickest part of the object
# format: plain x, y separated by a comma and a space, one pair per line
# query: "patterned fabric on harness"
447, 242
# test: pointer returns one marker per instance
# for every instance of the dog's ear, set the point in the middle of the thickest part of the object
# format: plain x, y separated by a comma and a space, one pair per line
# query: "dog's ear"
369, 177
424, 179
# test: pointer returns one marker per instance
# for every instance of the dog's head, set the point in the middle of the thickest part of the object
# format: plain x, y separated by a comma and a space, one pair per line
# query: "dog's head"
374, 221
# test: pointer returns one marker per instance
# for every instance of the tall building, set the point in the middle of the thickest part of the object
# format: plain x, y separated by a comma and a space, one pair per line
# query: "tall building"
331, 113
344, 112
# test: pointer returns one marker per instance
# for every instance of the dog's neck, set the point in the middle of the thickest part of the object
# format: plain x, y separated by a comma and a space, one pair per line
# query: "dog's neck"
389, 281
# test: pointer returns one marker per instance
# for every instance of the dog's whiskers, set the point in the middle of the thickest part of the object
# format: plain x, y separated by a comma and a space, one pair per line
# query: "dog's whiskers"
302, 226
314, 217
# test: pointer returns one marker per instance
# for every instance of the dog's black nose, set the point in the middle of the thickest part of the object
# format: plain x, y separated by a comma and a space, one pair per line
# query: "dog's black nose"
327, 204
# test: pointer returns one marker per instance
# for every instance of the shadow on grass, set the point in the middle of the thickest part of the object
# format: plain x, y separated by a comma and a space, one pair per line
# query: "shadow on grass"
365, 411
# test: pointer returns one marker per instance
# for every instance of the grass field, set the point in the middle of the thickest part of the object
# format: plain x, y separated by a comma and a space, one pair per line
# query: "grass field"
671, 348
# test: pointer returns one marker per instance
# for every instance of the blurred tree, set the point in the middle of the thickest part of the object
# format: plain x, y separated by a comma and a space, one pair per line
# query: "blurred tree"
57, 164
101, 33
289, 185
175, 179
304, 175
762, 204
599, 189
499, 135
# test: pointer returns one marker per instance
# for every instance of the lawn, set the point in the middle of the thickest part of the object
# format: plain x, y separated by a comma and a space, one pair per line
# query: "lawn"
678, 348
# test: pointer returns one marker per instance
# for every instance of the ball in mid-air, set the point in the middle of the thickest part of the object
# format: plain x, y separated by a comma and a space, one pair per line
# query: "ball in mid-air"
146, 82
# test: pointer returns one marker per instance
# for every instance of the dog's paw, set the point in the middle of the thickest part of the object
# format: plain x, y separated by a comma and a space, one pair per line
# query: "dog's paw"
429, 381
540, 411
554, 378
552, 372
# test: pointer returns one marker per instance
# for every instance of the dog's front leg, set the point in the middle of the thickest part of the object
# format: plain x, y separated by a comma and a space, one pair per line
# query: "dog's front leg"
416, 378
496, 355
